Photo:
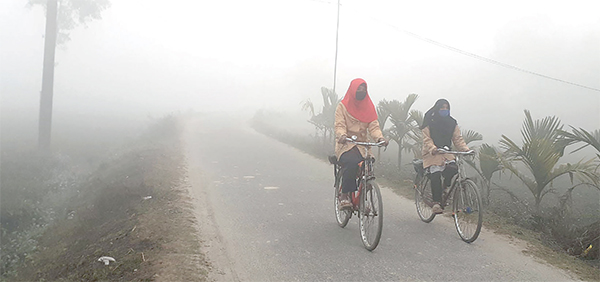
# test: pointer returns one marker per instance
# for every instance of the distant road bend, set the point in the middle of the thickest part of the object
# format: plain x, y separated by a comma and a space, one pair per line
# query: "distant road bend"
266, 214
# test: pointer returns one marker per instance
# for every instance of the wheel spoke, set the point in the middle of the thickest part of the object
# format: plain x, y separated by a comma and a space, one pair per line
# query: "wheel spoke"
422, 200
342, 216
467, 211
370, 222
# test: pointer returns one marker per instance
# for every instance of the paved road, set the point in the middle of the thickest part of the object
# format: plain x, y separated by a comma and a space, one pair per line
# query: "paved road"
266, 214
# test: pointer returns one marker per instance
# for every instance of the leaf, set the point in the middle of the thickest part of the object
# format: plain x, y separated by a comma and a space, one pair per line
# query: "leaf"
72, 13
571, 176
471, 136
581, 135
543, 145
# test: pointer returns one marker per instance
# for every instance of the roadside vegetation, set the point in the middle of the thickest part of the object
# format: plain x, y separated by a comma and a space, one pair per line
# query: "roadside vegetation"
104, 195
529, 190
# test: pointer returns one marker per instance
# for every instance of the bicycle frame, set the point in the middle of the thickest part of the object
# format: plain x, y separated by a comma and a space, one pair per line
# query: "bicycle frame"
365, 170
457, 179
462, 194
366, 201
365, 173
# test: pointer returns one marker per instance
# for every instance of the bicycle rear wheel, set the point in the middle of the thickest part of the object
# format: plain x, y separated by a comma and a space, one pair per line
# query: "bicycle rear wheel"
342, 216
423, 200
370, 215
468, 213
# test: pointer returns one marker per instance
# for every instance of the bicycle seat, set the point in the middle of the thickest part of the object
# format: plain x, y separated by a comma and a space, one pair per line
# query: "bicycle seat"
333, 160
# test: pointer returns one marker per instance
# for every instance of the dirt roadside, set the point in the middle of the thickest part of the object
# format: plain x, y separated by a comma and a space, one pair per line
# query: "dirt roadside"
135, 208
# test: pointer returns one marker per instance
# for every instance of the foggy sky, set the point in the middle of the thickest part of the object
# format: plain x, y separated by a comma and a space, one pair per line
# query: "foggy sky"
158, 57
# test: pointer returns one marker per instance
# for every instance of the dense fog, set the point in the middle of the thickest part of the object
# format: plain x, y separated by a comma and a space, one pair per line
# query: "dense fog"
148, 58
125, 81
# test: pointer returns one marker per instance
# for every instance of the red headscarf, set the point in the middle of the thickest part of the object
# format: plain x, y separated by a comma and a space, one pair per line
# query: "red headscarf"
363, 110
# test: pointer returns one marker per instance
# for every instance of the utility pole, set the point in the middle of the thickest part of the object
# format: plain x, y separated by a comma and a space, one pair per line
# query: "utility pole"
45, 118
337, 31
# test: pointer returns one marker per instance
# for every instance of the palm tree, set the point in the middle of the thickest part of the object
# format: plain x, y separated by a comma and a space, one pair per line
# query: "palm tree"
590, 139
490, 161
543, 146
414, 140
403, 122
383, 115
471, 136
581, 135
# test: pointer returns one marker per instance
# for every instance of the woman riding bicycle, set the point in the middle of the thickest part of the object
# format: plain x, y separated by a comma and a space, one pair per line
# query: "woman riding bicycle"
355, 115
439, 131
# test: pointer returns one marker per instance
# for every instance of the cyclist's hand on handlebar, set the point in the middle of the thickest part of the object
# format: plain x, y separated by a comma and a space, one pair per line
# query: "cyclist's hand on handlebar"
342, 139
440, 150
385, 142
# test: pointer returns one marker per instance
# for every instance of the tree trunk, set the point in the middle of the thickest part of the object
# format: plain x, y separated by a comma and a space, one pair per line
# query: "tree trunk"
538, 200
45, 117
399, 157
486, 197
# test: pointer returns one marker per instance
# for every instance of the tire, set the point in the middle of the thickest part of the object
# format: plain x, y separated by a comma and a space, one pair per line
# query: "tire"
370, 215
467, 211
423, 200
342, 216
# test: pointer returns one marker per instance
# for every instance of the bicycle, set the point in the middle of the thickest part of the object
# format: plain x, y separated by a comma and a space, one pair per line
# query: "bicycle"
463, 192
366, 201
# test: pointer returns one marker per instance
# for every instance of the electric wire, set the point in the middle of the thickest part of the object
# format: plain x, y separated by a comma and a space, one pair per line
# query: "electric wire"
460, 51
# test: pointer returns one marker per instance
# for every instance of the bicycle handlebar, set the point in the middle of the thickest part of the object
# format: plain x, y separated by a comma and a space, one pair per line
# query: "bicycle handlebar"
372, 144
444, 151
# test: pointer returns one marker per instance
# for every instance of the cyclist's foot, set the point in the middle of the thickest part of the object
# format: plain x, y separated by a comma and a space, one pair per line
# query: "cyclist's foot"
437, 209
345, 204
345, 201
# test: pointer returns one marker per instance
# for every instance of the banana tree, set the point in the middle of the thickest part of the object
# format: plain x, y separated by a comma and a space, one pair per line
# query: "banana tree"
324, 120
543, 146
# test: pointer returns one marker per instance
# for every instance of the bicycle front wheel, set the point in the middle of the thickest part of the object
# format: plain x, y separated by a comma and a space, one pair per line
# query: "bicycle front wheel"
423, 200
342, 216
468, 213
370, 215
